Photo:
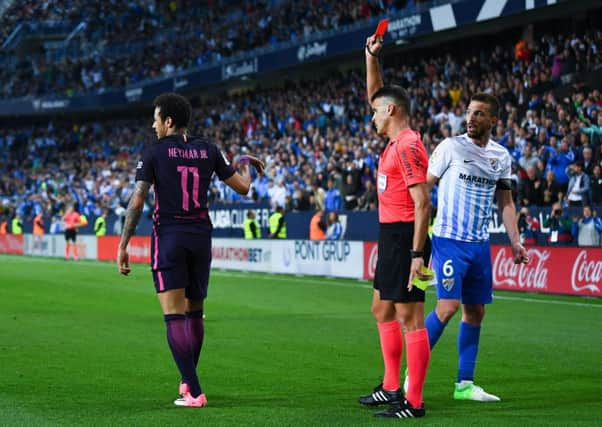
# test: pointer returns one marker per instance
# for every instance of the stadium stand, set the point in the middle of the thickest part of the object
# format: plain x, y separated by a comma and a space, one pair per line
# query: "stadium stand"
312, 130
111, 45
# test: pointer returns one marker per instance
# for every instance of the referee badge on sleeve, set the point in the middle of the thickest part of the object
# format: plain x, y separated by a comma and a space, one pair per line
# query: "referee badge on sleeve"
382, 183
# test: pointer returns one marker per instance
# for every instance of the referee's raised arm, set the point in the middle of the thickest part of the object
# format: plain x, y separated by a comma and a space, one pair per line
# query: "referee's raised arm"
374, 79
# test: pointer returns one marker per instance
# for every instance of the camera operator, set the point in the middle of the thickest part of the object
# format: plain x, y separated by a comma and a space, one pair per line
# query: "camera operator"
560, 226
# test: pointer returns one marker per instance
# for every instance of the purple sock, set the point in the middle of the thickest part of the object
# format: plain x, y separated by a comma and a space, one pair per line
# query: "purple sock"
196, 333
180, 349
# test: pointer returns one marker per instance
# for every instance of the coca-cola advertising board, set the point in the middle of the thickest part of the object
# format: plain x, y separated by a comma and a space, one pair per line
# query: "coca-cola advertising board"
370, 256
553, 270
11, 244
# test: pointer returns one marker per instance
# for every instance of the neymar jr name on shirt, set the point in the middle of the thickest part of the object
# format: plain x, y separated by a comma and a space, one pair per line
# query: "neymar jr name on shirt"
186, 153
479, 181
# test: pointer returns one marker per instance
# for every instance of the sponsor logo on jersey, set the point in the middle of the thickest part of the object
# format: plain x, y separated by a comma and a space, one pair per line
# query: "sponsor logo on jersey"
471, 179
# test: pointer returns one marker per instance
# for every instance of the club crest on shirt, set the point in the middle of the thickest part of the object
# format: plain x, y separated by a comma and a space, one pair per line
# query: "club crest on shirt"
494, 164
139, 165
448, 284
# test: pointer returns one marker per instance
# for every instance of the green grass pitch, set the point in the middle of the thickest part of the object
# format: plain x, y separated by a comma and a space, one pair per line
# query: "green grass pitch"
81, 345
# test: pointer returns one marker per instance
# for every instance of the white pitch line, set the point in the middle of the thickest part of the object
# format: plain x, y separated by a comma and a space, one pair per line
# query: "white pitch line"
546, 301
330, 282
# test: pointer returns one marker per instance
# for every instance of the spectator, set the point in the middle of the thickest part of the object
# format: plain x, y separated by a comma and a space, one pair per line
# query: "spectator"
335, 229
317, 228
368, 200
530, 190
350, 191
596, 184
278, 193
588, 161
560, 161
300, 199
332, 199
527, 227
579, 189
515, 152
552, 192
55, 225
588, 229
528, 158
594, 132
318, 196
560, 226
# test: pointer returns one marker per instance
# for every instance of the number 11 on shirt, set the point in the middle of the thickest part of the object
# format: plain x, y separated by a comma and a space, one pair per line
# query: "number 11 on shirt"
184, 170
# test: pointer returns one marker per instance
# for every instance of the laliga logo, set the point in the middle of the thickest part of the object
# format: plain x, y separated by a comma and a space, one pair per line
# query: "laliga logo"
586, 273
532, 275
372, 261
311, 49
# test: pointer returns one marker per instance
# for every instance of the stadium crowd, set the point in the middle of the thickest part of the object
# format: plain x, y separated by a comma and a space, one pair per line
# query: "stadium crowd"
317, 139
124, 43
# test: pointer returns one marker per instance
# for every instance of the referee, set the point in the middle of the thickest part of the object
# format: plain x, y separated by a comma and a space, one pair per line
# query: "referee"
403, 213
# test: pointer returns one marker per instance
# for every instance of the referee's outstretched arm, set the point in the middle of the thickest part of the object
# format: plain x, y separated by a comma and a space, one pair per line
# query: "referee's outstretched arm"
374, 79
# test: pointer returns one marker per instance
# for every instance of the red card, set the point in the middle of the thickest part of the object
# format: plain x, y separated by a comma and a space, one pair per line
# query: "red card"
381, 29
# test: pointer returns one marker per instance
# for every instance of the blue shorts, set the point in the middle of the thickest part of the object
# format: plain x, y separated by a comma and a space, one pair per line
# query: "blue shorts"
463, 270
180, 260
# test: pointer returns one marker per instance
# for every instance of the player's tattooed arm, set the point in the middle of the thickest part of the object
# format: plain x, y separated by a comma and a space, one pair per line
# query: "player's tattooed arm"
134, 211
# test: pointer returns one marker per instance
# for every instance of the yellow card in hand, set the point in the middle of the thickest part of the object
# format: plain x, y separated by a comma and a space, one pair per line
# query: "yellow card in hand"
423, 283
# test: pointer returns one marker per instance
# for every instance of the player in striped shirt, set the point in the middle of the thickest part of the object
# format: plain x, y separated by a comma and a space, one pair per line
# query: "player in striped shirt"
471, 170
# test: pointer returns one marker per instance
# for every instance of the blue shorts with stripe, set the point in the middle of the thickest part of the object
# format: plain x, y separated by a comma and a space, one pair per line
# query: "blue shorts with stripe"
463, 270
181, 260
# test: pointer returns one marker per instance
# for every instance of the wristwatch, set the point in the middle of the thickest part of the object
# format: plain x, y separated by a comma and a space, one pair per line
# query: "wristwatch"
416, 254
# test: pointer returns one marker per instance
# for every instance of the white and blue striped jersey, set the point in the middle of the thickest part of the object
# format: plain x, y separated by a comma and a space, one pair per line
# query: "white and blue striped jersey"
334, 232
468, 176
